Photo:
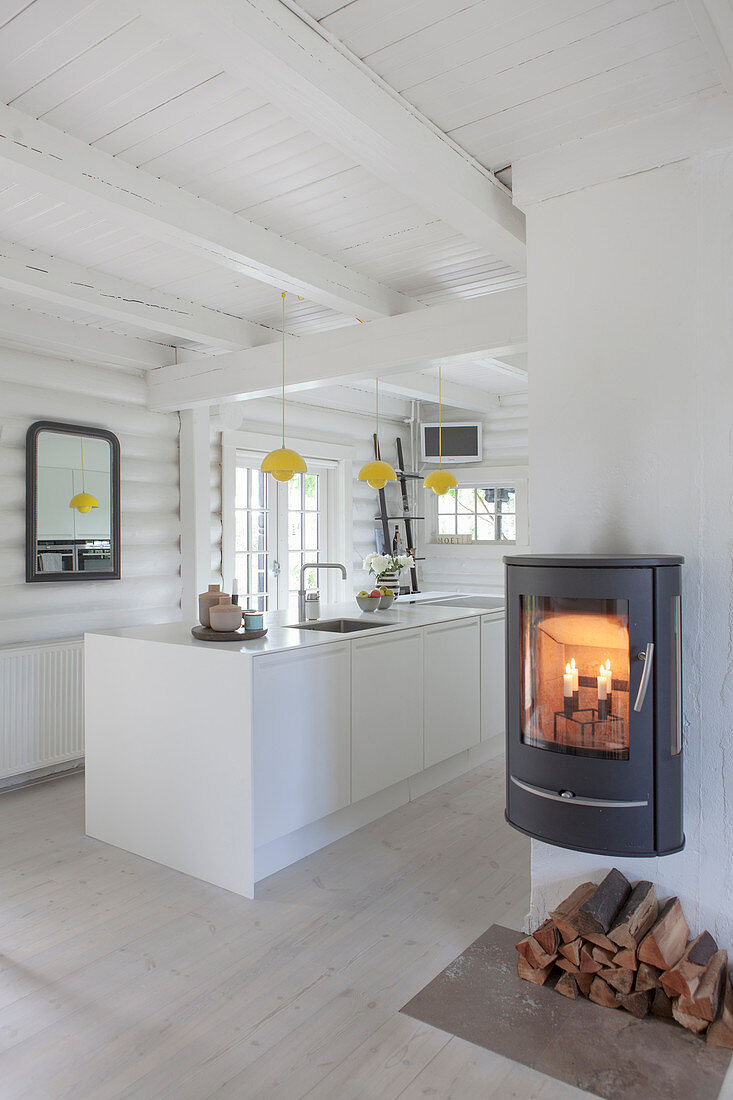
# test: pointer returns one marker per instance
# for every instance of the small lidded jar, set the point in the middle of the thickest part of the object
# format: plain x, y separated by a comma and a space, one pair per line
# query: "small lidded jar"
226, 616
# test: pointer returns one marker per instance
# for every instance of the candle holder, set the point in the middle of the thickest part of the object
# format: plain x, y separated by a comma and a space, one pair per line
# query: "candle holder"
589, 732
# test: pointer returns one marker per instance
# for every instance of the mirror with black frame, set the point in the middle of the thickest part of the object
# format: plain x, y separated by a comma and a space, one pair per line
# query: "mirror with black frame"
72, 503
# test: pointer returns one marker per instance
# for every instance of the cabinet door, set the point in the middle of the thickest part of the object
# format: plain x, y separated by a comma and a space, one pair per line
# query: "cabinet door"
452, 678
386, 711
493, 694
300, 738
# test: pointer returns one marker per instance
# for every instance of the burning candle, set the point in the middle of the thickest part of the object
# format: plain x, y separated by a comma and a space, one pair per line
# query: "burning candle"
567, 690
574, 671
602, 693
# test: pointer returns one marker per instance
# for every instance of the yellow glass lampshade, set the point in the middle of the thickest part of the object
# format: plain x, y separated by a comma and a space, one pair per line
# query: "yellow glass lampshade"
377, 473
440, 481
84, 502
283, 464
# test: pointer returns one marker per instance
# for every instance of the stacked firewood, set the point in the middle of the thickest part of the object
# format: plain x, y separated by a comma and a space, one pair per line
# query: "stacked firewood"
619, 947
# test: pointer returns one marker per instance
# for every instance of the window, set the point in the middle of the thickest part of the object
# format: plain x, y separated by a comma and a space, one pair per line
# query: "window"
304, 528
252, 542
479, 514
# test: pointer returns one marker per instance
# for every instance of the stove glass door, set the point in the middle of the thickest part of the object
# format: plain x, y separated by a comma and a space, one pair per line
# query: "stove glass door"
575, 657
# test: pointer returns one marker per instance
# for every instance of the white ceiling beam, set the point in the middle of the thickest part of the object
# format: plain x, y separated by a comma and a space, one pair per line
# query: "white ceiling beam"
55, 163
714, 22
424, 387
279, 49
494, 324
68, 284
54, 336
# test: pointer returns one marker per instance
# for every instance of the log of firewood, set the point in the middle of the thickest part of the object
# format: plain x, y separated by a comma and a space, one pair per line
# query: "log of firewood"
720, 1033
692, 1023
602, 994
565, 915
664, 945
571, 950
599, 940
626, 958
567, 966
547, 937
537, 975
584, 981
684, 978
647, 977
636, 917
620, 980
605, 958
568, 987
588, 964
705, 1003
598, 912
661, 1005
535, 955
637, 1003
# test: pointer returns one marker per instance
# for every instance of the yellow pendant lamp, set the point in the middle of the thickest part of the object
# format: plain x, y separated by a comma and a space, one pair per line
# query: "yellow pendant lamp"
283, 463
83, 501
377, 473
440, 480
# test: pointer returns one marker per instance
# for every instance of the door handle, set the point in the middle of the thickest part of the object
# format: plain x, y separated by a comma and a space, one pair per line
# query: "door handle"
276, 569
647, 656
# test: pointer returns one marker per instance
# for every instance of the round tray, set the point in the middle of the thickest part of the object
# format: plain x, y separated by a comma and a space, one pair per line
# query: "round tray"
206, 634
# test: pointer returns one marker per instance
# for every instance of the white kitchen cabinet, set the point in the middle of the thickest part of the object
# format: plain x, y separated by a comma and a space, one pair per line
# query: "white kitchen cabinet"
452, 688
300, 738
386, 711
493, 644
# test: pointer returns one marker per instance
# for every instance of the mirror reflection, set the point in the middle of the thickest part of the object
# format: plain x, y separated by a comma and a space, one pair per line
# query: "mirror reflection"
71, 533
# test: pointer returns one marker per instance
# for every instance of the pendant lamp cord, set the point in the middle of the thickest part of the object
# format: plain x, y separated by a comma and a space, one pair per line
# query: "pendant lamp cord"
440, 418
83, 483
283, 298
377, 380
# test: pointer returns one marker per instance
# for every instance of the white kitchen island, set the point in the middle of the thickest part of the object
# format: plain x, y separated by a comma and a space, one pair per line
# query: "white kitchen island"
229, 761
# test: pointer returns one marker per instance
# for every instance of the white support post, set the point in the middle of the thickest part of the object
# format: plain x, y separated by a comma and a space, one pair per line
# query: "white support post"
195, 508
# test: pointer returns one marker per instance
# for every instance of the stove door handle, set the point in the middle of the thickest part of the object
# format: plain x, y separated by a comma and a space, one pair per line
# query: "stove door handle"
647, 656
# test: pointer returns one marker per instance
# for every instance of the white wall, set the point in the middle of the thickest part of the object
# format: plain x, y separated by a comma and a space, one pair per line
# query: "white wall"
33, 387
631, 396
505, 447
328, 425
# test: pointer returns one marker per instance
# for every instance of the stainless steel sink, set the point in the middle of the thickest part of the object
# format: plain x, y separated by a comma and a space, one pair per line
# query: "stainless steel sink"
337, 626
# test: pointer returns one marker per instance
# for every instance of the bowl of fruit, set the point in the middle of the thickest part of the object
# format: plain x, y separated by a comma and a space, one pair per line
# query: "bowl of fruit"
369, 601
386, 598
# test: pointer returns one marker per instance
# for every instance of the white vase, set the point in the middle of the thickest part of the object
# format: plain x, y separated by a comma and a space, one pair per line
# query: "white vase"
391, 581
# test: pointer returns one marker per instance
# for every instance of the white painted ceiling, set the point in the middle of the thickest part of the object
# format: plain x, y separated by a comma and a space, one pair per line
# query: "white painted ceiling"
503, 78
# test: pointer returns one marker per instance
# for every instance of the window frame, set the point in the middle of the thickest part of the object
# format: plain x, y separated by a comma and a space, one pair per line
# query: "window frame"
484, 477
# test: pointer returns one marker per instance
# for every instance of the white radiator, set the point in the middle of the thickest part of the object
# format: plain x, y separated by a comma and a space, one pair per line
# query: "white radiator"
41, 706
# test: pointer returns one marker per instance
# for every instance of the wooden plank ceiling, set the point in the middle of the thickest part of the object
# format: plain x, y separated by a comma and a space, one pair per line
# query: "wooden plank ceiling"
503, 78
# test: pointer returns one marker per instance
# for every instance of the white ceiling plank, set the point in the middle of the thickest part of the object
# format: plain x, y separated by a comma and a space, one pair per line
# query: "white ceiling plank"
493, 325
56, 163
282, 51
424, 387
714, 22
56, 336
68, 284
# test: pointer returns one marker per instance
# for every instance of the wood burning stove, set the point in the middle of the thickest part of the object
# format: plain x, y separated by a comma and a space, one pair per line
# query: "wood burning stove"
594, 702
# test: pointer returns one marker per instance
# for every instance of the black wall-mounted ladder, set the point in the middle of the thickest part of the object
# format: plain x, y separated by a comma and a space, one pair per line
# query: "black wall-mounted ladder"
403, 476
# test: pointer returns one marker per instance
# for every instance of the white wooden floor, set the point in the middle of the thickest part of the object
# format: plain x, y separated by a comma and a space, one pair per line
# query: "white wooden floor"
121, 978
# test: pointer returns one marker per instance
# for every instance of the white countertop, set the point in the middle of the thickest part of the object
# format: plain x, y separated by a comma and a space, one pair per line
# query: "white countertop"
401, 616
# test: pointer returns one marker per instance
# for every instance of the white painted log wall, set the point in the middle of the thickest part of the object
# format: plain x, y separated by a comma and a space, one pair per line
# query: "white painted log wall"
505, 443
33, 387
325, 425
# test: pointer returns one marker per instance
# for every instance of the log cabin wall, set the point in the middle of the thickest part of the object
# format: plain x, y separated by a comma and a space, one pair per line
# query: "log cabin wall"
34, 387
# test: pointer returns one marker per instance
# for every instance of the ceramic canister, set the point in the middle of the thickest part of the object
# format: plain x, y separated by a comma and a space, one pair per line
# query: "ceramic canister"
207, 600
225, 616
253, 620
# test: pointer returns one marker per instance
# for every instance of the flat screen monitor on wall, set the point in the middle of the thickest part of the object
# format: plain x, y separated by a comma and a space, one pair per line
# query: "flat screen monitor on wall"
460, 443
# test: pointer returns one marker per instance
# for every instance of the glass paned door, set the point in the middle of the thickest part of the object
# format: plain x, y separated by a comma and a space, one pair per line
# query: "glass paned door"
304, 529
278, 528
254, 531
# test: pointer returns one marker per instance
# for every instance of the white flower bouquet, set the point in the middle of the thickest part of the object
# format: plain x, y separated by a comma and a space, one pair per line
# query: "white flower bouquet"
379, 564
